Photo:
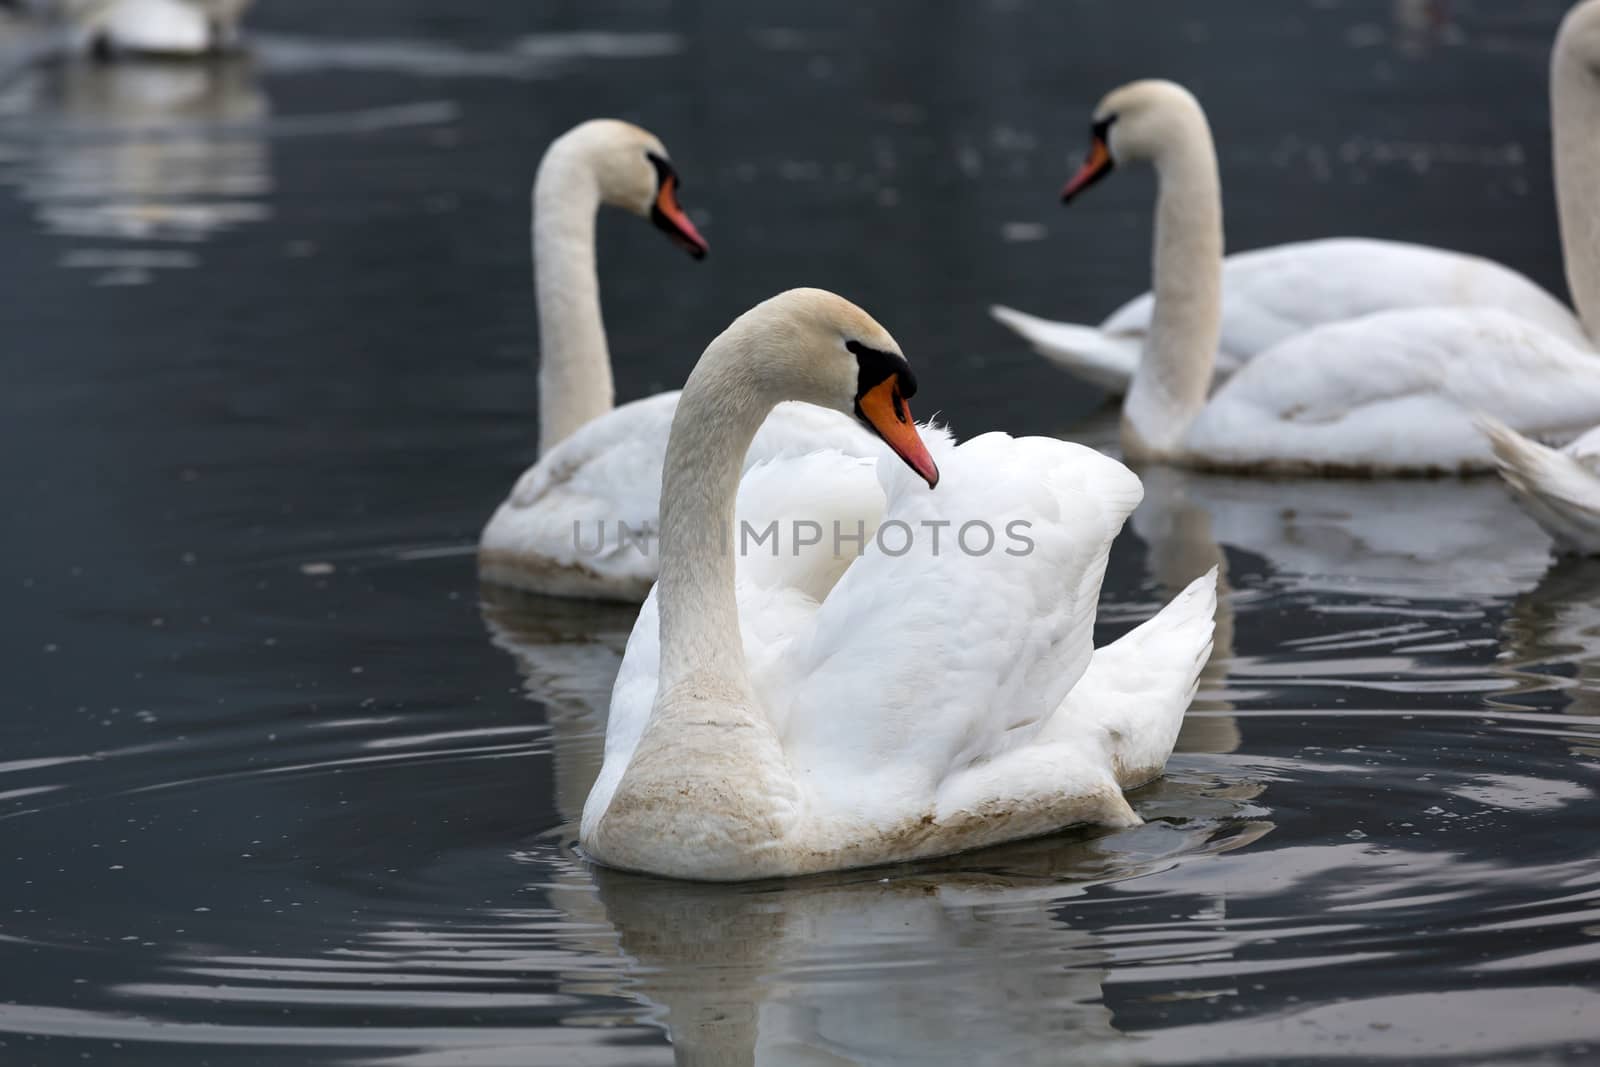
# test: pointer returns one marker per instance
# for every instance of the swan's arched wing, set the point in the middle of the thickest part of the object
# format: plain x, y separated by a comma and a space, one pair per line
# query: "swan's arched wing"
1397, 390
923, 662
1270, 295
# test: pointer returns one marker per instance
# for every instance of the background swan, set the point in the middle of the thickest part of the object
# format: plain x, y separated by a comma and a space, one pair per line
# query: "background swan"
1558, 488
581, 521
1272, 294
786, 717
147, 27
1390, 392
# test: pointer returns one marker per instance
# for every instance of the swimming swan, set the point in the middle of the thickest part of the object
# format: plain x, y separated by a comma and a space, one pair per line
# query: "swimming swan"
788, 714
1392, 392
1272, 294
581, 520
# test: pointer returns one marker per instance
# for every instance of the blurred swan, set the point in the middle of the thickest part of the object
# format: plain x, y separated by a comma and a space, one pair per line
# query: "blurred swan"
144, 27
1386, 393
137, 164
1272, 295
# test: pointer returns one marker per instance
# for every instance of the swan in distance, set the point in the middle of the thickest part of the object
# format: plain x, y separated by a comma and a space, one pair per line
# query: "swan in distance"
599, 470
1272, 294
1393, 392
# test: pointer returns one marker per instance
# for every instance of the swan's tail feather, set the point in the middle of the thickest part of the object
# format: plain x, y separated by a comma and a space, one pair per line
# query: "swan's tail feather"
1104, 359
1136, 690
1552, 487
1114, 731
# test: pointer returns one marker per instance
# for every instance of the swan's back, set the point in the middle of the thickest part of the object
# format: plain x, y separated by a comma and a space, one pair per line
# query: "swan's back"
1396, 391
1272, 294
920, 663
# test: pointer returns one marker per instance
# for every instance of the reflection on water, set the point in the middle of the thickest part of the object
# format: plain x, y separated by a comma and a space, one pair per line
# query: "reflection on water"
136, 163
1552, 645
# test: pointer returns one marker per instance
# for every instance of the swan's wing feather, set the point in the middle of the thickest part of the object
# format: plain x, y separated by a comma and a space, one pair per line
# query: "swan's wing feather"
1096, 354
1398, 388
1272, 294
921, 662
1131, 701
1554, 487
1114, 731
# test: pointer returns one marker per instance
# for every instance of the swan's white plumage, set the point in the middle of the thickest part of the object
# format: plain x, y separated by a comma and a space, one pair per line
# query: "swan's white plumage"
928, 703
1393, 391
154, 27
1558, 488
609, 472
1272, 294
1396, 391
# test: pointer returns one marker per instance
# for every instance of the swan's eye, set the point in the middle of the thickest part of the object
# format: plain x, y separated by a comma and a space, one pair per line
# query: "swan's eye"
664, 171
875, 366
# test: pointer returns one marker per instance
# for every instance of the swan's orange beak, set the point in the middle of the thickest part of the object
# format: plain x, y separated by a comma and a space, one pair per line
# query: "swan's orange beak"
885, 410
669, 217
1097, 166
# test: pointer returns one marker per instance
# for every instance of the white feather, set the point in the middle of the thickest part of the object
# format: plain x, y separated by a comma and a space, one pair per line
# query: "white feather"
1559, 489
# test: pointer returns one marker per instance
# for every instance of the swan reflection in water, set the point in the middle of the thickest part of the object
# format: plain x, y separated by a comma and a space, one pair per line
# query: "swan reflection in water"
1552, 650
135, 165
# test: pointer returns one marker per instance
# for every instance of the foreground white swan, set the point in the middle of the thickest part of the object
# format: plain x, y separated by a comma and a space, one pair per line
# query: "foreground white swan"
1272, 294
581, 522
1391, 392
778, 717
1558, 488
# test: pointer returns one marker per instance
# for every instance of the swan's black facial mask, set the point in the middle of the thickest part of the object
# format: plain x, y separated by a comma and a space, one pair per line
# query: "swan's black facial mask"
883, 382
1099, 163
668, 214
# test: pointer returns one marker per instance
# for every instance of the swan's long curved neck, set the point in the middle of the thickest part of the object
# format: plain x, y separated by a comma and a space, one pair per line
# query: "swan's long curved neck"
1575, 127
707, 782
575, 383
1170, 386
719, 412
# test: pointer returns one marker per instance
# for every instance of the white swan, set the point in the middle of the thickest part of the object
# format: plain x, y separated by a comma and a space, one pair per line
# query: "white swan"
1558, 488
581, 521
1272, 294
1390, 392
151, 27
782, 717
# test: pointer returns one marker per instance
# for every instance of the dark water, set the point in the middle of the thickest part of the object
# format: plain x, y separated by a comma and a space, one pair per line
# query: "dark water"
280, 784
